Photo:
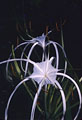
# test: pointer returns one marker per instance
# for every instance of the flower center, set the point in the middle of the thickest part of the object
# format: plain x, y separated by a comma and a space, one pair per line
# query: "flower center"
45, 75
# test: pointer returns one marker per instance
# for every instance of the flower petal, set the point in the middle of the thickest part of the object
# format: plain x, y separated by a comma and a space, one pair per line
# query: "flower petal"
78, 90
62, 94
57, 54
9, 100
22, 54
37, 77
30, 52
35, 101
41, 40
57, 59
24, 43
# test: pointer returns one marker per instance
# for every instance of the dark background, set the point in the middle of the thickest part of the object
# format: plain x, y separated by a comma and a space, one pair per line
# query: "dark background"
41, 13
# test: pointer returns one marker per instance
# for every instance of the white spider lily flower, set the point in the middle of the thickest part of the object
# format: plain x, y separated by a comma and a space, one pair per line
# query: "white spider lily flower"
41, 41
44, 73
47, 71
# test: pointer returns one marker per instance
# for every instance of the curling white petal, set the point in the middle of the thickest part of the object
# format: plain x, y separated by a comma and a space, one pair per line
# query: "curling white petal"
65, 69
36, 97
9, 100
61, 48
35, 101
55, 43
19, 59
57, 53
64, 56
24, 43
22, 57
12, 60
55, 82
30, 52
78, 90
51, 59
63, 98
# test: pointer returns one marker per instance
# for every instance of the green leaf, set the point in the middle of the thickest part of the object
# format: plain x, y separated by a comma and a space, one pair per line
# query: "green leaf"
15, 63
68, 112
62, 40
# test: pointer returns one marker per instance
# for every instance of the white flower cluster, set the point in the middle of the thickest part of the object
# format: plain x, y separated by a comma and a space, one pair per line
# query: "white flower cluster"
44, 72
